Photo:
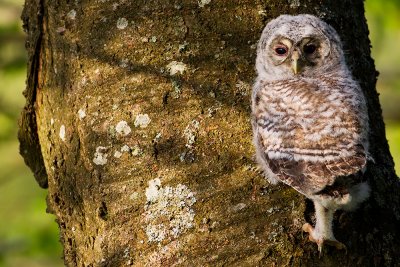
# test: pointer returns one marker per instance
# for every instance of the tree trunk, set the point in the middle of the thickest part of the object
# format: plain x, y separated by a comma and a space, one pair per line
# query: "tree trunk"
138, 121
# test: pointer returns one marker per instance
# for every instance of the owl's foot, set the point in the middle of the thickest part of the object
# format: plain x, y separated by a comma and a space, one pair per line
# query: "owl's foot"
321, 240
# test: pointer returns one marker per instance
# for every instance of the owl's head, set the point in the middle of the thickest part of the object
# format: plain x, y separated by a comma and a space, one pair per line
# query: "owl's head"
298, 45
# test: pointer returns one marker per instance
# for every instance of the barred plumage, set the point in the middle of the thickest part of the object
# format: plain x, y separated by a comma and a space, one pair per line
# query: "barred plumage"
310, 118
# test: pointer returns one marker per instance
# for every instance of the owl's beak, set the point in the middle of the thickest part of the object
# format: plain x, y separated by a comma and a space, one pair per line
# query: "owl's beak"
295, 63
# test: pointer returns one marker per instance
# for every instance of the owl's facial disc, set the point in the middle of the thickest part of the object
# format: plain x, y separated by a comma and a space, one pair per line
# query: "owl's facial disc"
300, 56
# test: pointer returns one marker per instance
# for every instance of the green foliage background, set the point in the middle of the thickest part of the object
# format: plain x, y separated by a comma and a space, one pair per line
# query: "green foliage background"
28, 235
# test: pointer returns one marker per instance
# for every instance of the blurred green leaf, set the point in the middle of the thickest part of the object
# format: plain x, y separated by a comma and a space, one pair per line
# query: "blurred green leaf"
7, 126
393, 136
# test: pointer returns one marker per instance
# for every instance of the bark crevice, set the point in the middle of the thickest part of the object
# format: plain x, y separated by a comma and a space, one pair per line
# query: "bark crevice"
32, 17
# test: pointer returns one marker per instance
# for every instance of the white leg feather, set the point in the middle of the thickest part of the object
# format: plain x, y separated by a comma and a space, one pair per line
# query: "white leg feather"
323, 233
323, 225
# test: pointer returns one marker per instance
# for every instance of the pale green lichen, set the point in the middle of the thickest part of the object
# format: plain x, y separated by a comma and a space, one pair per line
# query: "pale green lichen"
238, 207
203, 3
71, 14
122, 128
100, 158
190, 133
62, 132
243, 88
183, 47
136, 151
134, 196
124, 63
81, 114
122, 23
177, 89
125, 148
117, 154
294, 3
175, 67
157, 137
153, 39
160, 256
152, 190
168, 211
142, 120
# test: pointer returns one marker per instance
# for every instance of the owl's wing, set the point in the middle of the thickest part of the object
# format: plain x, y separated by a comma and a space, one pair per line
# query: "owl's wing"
304, 147
310, 177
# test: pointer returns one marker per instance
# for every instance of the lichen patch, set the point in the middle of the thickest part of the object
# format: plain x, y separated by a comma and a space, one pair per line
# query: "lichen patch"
117, 154
238, 207
62, 132
122, 23
71, 14
294, 3
152, 190
100, 157
125, 148
123, 128
81, 114
142, 120
243, 88
174, 67
190, 133
168, 211
134, 196
203, 3
170, 251
136, 151
124, 63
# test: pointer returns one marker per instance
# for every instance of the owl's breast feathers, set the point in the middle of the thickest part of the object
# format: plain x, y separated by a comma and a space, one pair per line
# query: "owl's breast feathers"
311, 133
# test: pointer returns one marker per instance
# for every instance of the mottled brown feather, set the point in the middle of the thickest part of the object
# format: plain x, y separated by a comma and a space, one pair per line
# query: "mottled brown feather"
309, 176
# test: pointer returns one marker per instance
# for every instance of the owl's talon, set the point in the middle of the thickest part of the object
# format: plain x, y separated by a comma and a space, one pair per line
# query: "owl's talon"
322, 241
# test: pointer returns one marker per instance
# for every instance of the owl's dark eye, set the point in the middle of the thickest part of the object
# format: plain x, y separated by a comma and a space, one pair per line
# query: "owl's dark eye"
281, 51
309, 48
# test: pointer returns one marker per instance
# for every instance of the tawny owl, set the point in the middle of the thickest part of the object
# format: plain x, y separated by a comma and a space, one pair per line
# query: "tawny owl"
309, 119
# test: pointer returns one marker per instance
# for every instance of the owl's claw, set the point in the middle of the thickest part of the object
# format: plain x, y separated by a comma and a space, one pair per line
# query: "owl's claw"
322, 241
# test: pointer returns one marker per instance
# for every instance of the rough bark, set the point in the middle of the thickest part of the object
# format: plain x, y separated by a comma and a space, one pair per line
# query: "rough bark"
185, 193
